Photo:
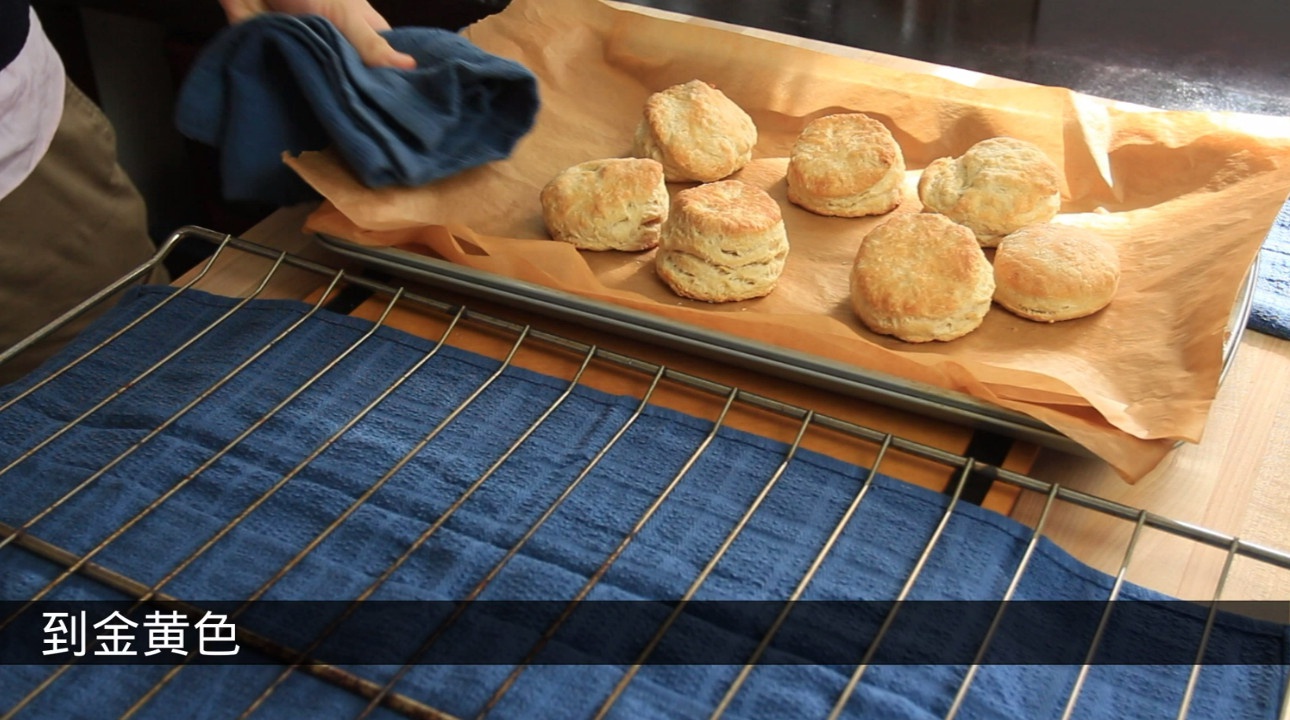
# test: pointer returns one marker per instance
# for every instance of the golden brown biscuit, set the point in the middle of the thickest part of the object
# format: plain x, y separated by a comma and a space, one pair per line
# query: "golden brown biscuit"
1055, 272
612, 204
723, 241
696, 132
995, 187
921, 277
846, 165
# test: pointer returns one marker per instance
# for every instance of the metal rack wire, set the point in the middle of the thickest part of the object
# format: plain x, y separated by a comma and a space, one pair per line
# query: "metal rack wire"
385, 695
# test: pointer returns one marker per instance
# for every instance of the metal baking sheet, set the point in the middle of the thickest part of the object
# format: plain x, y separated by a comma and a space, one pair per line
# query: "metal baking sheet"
855, 381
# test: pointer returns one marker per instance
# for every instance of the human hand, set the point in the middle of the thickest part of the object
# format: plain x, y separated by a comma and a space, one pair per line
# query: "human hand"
357, 20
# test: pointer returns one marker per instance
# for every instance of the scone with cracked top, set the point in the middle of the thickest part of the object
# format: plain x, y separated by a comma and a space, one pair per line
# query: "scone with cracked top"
997, 186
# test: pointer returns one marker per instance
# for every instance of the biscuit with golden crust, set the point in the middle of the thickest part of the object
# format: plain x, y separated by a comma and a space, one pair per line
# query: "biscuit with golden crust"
1053, 272
920, 277
723, 242
696, 132
611, 204
997, 186
846, 165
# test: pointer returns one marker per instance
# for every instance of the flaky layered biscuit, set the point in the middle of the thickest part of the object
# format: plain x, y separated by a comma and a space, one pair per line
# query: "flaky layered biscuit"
611, 204
1054, 272
696, 132
846, 165
995, 187
921, 277
723, 241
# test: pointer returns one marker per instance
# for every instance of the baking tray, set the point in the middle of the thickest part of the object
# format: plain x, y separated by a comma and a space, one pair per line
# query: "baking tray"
773, 360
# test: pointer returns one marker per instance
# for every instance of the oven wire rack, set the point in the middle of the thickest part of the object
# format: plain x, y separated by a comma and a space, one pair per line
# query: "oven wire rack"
27, 534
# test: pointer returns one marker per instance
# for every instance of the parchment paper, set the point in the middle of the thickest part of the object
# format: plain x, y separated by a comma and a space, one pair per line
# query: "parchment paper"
1186, 196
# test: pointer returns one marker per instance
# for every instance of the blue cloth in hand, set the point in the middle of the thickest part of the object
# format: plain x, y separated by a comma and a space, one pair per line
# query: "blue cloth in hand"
1270, 311
285, 83
874, 554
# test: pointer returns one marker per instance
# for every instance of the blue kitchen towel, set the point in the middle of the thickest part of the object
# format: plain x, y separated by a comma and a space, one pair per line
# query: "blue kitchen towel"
1270, 309
285, 83
351, 508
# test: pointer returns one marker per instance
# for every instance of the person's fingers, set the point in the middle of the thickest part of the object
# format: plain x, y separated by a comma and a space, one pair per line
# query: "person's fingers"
372, 48
373, 17
357, 20
238, 10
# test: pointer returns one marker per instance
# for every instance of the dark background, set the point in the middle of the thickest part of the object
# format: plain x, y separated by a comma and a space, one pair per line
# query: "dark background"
131, 55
